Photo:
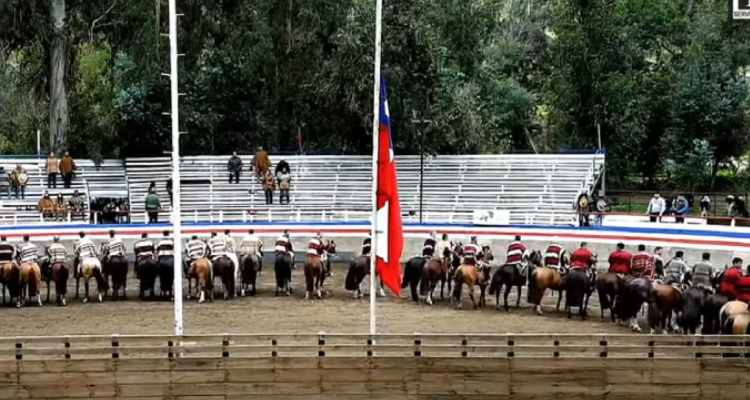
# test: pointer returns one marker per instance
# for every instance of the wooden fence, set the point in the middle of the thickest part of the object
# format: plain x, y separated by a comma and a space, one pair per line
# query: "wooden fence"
393, 367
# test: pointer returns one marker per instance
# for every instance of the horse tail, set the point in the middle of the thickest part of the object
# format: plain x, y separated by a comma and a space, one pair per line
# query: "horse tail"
100, 281
726, 327
497, 281
62, 280
309, 278
533, 287
404, 278
35, 280
458, 284
604, 297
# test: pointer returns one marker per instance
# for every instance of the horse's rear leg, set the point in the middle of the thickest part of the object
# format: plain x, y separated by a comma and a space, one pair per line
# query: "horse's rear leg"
471, 296
78, 285
505, 297
125, 286
85, 291
430, 288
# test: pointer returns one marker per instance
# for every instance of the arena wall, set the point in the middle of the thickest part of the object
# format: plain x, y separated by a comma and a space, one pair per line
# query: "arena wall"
392, 367
722, 242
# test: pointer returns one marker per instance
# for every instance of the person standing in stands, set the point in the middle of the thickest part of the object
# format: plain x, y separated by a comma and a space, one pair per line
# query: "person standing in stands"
235, 168
284, 179
656, 208
66, 168
169, 191
153, 206
268, 186
20, 179
53, 168
261, 163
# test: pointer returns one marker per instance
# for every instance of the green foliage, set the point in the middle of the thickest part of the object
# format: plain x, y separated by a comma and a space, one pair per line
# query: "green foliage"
665, 81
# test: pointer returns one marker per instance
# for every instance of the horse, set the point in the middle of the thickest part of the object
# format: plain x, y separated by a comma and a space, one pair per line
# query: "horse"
147, 272
31, 282
166, 276
250, 267
412, 275
224, 270
202, 270
282, 268
710, 312
359, 267
432, 272
91, 267
732, 309
693, 303
11, 277
631, 298
578, 291
117, 268
59, 274
738, 324
541, 279
314, 276
510, 275
471, 275
608, 285
663, 301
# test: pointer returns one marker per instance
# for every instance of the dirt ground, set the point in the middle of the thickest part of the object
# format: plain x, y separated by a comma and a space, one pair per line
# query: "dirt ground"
338, 312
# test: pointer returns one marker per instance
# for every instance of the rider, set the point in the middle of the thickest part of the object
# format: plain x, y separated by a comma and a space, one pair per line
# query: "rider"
367, 246
516, 250
231, 254
703, 273
196, 249
284, 245
675, 270
658, 259
583, 258
643, 264
553, 257
443, 244
56, 253
315, 247
620, 261
731, 276
144, 250
165, 248
84, 248
472, 252
7, 252
27, 251
115, 246
250, 245
742, 287
217, 247
428, 248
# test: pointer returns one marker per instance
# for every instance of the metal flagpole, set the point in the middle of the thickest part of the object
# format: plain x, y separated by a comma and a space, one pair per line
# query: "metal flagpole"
176, 222
375, 139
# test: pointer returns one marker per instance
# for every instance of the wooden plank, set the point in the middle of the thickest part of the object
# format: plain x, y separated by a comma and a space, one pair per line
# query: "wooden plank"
682, 372
218, 389
724, 391
553, 389
375, 396
237, 375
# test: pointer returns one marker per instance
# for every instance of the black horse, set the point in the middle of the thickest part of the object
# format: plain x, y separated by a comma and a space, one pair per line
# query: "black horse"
412, 275
693, 303
166, 276
117, 268
147, 271
359, 268
282, 268
578, 291
631, 298
509, 276
251, 265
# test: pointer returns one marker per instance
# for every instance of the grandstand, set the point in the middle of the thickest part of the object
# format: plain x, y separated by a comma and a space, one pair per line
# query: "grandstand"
535, 189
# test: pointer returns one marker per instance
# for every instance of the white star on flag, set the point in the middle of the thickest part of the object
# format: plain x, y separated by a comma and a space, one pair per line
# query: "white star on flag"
382, 248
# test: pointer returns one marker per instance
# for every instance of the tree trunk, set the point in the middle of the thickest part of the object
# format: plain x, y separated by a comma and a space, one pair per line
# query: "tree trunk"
59, 118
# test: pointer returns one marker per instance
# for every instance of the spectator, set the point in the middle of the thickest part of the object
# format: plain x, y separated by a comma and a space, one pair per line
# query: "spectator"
4, 183
153, 205
19, 179
656, 208
705, 206
268, 186
46, 206
77, 204
124, 211
284, 179
53, 168
169, 191
235, 168
109, 214
261, 163
66, 168
681, 209
61, 208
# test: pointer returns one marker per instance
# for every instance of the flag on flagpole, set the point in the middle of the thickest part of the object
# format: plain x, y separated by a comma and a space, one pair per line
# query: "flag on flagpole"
390, 239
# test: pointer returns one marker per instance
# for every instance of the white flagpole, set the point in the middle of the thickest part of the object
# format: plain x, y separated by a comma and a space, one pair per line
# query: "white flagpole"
176, 222
375, 138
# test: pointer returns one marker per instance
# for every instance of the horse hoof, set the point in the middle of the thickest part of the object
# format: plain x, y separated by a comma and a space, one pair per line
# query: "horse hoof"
64, 302
508, 310
85, 301
187, 297
307, 295
319, 295
100, 298
242, 292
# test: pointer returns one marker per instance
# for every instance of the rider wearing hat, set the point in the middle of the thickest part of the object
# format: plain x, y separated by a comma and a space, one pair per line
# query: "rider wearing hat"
84, 248
428, 248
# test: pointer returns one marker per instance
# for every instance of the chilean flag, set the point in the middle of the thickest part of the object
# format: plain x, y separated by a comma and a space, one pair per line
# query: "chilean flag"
390, 237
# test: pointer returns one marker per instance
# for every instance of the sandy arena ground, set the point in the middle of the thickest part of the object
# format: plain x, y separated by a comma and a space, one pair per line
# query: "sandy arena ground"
338, 312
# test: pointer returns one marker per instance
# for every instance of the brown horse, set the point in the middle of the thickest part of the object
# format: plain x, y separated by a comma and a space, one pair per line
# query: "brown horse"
433, 272
359, 268
11, 278
608, 286
59, 274
472, 275
314, 276
202, 271
31, 282
663, 301
224, 269
541, 279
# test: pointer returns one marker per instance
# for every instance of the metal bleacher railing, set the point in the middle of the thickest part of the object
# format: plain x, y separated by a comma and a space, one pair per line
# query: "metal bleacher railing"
535, 189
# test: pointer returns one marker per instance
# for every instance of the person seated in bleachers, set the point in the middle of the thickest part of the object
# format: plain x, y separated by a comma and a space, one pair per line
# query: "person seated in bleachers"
46, 206
77, 205
261, 162
284, 179
109, 214
61, 207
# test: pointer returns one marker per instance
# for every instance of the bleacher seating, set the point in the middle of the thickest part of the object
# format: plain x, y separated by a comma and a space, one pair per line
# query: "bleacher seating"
535, 189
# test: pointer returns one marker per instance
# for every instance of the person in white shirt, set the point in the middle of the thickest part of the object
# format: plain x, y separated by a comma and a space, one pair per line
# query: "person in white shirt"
230, 252
656, 208
251, 245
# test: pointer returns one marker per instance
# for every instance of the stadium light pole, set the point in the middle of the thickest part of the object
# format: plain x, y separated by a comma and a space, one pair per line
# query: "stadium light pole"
176, 222
375, 141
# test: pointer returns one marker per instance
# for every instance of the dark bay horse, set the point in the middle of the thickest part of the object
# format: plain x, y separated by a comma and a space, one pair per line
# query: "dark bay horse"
434, 271
632, 296
282, 268
224, 270
608, 285
250, 266
147, 272
510, 275
578, 289
472, 275
11, 278
117, 268
711, 310
359, 268
412, 275
166, 276
692, 305
59, 275
664, 300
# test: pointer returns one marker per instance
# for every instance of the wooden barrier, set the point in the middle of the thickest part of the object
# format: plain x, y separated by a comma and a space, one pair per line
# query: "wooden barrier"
393, 367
